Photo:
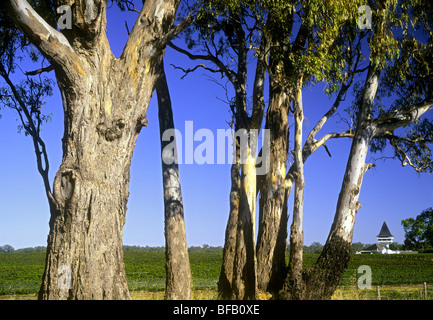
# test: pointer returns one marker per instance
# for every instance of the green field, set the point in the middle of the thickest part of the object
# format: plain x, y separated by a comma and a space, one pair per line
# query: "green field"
20, 273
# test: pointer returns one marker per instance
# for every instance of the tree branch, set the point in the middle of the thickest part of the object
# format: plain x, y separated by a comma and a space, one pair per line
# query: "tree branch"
34, 132
259, 84
310, 147
49, 41
231, 75
187, 71
319, 125
399, 118
405, 158
39, 71
175, 30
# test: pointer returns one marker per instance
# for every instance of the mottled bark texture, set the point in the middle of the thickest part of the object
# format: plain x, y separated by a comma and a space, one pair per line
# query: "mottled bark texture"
238, 276
244, 276
273, 219
320, 281
294, 273
178, 271
105, 101
226, 275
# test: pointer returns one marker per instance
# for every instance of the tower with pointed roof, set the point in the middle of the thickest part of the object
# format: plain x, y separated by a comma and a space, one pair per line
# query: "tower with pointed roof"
385, 237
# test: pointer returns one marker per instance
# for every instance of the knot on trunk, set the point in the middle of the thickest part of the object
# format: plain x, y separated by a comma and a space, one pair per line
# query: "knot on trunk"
141, 122
67, 184
111, 131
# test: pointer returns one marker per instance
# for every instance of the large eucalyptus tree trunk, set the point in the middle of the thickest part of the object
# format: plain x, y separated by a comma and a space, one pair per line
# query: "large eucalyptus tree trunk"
324, 276
178, 271
272, 232
294, 273
105, 101
321, 280
244, 275
238, 273
226, 275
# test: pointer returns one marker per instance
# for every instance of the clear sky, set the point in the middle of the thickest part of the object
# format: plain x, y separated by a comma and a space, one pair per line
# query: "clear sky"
389, 193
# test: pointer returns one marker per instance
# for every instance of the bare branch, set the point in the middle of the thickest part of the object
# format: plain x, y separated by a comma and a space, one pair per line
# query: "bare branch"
405, 159
231, 75
129, 5
127, 28
34, 132
389, 135
175, 30
310, 147
331, 111
187, 71
39, 71
403, 155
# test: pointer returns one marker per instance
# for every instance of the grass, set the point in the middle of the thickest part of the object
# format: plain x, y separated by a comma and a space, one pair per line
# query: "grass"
399, 276
387, 292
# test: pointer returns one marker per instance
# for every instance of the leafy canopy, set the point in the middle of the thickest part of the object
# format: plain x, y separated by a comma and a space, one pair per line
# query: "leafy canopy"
419, 231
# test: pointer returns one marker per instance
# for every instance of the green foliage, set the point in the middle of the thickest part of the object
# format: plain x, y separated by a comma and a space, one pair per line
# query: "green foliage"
21, 273
7, 248
19, 91
419, 231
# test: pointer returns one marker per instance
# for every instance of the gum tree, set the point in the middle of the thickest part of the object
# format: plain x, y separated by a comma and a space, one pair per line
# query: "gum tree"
227, 31
376, 123
178, 270
102, 121
308, 45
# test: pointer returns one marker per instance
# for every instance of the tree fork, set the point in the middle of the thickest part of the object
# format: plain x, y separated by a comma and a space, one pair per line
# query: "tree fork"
322, 279
102, 122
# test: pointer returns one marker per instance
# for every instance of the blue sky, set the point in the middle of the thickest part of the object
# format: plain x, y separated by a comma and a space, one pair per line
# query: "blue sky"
389, 193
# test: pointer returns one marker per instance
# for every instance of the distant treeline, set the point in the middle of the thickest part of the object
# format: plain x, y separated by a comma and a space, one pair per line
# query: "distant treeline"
315, 247
8, 248
205, 248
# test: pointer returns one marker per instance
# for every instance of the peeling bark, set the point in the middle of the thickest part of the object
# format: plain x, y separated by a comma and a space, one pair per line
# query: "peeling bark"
238, 273
101, 125
272, 233
226, 275
294, 285
244, 275
178, 271
321, 280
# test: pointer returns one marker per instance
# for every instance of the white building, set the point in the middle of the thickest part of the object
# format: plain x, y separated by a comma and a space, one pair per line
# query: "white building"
384, 239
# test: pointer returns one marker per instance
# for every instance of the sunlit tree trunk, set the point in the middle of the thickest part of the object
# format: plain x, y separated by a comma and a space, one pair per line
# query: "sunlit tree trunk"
178, 271
105, 101
244, 277
294, 286
226, 275
240, 230
320, 281
272, 229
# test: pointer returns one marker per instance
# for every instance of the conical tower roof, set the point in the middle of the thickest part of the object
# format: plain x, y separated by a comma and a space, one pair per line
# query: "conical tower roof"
384, 232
